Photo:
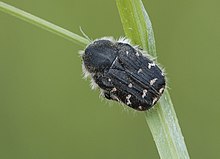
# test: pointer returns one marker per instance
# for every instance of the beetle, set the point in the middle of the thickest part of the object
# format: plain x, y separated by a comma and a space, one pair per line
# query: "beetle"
124, 73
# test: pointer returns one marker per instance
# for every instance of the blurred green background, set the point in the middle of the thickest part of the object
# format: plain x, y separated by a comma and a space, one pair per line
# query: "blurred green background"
48, 111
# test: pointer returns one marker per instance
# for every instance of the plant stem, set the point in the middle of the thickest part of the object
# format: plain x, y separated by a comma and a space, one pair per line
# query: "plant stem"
161, 119
43, 24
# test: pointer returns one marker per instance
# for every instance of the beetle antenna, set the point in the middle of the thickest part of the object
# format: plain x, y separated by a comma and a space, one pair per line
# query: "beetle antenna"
83, 33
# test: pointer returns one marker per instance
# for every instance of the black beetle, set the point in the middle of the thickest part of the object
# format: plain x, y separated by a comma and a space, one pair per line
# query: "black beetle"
124, 73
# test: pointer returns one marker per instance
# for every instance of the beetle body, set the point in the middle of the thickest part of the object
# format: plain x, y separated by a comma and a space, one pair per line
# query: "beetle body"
124, 73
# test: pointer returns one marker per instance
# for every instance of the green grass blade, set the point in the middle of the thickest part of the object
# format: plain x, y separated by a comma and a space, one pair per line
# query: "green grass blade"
161, 119
43, 24
140, 32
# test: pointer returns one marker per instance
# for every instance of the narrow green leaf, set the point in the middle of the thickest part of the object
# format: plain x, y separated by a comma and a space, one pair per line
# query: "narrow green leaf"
43, 24
132, 13
161, 119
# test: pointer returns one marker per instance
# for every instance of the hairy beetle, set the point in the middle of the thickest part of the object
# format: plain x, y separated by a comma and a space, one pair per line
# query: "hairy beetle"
123, 73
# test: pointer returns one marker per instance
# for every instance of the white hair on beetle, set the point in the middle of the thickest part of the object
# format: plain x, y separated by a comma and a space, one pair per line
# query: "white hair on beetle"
124, 40
87, 74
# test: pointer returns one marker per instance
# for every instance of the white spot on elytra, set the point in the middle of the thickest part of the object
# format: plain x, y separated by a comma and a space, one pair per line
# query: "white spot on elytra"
153, 81
140, 107
130, 85
127, 52
154, 101
150, 65
140, 70
128, 99
144, 93
137, 54
161, 90
109, 80
114, 90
